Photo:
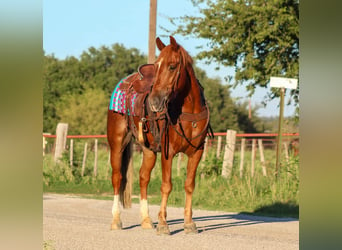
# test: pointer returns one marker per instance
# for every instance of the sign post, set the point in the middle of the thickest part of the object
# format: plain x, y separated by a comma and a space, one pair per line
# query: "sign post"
282, 83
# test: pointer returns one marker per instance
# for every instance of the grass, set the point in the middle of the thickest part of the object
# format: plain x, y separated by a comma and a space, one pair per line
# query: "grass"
262, 195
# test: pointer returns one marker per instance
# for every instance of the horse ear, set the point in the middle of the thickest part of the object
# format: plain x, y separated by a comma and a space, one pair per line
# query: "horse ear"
173, 42
160, 44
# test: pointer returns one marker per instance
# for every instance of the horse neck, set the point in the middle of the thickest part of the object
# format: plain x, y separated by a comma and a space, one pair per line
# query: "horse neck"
193, 102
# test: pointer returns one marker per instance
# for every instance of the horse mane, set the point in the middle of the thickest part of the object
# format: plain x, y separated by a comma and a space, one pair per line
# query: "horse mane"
186, 58
188, 61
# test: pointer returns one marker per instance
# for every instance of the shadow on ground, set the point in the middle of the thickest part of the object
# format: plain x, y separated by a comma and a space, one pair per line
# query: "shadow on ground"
240, 219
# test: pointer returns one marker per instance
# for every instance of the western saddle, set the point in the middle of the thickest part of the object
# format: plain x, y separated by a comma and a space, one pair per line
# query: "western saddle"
140, 83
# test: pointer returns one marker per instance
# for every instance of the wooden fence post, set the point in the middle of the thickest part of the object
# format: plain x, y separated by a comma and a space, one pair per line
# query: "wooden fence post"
262, 158
71, 152
242, 155
218, 150
84, 158
95, 158
61, 134
45, 142
229, 153
253, 157
205, 149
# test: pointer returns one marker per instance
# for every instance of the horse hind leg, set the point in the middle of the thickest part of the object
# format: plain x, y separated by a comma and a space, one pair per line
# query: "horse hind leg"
116, 156
116, 132
149, 159
120, 162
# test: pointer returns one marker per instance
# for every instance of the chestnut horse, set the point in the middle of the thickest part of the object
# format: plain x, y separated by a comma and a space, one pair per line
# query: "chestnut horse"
176, 106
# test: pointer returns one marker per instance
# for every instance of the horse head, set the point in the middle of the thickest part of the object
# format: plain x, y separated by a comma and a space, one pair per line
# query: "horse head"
169, 67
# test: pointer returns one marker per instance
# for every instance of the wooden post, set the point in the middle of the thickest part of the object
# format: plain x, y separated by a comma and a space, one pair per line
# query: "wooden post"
229, 153
262, 158
95, 158
84, 158
61, 134
71, 152
253, 157
281, 112
205, 149
219, 143
152, 32
242, 155
45, 142
179, 161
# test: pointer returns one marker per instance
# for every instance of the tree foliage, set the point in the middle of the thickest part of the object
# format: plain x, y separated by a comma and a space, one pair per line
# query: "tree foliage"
221, 106
85, 113
77, 91
95, 69
260, 38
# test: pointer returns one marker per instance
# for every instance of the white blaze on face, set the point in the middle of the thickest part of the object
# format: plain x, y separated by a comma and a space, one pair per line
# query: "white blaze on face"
159, 63
116, 208
144, 208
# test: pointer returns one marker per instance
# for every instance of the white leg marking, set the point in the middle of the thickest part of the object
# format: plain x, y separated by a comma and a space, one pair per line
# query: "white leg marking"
144, 208
116, 208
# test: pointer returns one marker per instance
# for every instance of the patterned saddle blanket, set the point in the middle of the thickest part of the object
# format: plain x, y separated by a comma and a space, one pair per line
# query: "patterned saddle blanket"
118, 99
130, 93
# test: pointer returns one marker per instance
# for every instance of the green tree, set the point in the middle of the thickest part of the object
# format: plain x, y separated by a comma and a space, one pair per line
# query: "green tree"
221, 106
259, 38
246, 124
85, 113
95, 69
104, 67
77, 91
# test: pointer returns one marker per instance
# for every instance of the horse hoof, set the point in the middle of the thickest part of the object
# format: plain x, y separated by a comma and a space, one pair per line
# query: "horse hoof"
190, 228
147, 223
163, 229
116, 226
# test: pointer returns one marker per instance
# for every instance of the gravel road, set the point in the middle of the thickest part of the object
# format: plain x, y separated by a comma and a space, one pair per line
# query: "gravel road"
71, 222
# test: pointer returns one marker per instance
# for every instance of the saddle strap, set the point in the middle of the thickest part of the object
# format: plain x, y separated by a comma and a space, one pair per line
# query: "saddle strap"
189, 117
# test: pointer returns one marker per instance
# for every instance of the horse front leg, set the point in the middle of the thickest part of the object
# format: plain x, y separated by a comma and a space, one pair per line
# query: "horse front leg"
166, 188
189, 186
149, 160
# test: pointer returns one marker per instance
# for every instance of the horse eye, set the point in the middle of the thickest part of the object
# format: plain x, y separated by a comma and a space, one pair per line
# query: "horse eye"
172, 67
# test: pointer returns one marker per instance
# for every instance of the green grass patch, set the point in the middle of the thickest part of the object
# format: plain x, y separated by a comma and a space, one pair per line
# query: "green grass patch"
258, 194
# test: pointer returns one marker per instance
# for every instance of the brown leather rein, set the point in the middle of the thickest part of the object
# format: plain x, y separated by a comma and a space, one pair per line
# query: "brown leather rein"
152, 118
189, 117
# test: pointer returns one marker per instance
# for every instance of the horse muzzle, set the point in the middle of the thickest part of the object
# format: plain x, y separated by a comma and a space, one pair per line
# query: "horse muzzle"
157, 102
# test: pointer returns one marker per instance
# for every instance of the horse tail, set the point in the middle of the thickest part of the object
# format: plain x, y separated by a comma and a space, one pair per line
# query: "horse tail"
125, 191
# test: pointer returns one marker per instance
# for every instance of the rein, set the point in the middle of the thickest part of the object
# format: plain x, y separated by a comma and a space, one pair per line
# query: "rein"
158, 128
194, 118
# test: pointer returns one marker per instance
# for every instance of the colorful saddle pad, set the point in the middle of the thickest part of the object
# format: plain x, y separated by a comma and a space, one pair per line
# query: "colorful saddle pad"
118, 100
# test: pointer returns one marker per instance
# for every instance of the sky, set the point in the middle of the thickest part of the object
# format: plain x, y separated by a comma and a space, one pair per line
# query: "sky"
71, 27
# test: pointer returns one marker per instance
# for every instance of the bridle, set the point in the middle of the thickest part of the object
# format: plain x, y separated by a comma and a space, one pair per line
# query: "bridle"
164, 115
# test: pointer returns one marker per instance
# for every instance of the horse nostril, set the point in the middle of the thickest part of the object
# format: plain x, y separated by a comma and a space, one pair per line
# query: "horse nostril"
156, 102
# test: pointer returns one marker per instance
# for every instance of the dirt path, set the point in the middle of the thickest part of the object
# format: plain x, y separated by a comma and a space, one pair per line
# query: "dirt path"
70, 222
